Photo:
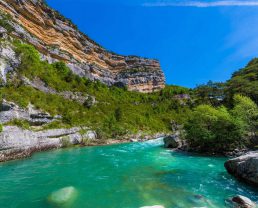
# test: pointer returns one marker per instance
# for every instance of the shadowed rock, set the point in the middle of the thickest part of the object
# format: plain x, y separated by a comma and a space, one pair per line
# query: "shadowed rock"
172, 141
244, 168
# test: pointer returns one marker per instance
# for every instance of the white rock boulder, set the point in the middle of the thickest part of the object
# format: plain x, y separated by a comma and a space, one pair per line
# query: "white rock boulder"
63, 196
244, 168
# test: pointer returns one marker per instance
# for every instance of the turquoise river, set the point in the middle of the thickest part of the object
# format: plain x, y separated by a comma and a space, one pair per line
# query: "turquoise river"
120, 176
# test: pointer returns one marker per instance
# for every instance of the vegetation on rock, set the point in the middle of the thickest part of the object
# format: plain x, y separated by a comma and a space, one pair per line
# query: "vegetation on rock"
211, 129
214, 117
116, 111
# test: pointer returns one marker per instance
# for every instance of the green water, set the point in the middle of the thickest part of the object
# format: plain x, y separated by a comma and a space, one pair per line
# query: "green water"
120, 176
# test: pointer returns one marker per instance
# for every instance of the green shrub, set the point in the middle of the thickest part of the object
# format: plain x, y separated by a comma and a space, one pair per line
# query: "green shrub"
20, 123
5, 22
244, 82
212, 129
246, 111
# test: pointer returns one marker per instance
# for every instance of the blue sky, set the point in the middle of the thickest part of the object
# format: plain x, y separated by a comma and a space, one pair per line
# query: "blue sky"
195, 41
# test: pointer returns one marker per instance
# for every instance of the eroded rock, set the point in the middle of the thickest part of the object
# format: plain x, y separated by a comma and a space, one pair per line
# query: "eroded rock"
58, 39
16, 143
10, 111
8, 59
172, 141
244, 168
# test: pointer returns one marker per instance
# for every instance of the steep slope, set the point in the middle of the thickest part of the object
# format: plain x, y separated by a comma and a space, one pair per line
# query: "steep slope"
244, 81
58, 39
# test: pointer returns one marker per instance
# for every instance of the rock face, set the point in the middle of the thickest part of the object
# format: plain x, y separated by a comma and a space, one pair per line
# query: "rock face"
8, 58
244, 168
172, 141
241, 202
10, 111
18, 143
58, 39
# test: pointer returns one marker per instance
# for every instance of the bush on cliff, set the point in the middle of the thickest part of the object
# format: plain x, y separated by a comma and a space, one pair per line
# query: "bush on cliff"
57, 75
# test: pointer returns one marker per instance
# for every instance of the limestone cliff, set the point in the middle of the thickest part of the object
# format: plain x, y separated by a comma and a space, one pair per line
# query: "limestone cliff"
58, 39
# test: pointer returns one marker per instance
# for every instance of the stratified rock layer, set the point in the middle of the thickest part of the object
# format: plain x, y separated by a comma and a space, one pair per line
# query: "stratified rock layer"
244, 168
58, 39
16, 143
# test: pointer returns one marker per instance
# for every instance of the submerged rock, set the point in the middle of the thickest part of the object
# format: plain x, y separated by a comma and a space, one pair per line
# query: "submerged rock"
244, 168
155, 206
241, 202
63, 196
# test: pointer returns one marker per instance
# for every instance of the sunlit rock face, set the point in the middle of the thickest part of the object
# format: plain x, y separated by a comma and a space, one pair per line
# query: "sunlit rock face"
245, 168
59, 40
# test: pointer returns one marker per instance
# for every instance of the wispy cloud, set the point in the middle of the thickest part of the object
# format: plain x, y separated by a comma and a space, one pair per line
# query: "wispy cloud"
202, 4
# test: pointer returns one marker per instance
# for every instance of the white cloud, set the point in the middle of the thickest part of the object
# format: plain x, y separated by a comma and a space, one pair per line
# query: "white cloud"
202, 4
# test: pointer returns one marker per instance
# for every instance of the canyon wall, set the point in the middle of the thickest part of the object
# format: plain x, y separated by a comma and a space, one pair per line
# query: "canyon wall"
57, 39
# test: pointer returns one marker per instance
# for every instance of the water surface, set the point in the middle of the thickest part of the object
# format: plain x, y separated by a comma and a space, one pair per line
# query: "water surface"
120, 176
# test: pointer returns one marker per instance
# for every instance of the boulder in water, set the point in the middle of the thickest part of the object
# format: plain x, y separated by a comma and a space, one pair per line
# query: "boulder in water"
63, 196
155, 206
241, 202
172, 141
244, 168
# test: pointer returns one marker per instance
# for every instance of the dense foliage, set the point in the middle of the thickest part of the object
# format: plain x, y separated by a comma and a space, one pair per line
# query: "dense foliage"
245, 82
219, 129
117, 111
212, 93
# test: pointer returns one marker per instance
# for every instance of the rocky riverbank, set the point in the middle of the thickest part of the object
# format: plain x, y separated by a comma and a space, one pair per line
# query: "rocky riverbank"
18, 143
245, 168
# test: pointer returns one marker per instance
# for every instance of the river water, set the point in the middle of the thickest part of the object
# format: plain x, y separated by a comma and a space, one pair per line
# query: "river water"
120, 176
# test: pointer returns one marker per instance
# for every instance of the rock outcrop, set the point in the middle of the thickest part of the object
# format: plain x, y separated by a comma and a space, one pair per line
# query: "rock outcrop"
8, 58
16, 143
57, 39
172, 141
244, 168
241, 202
10, 111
